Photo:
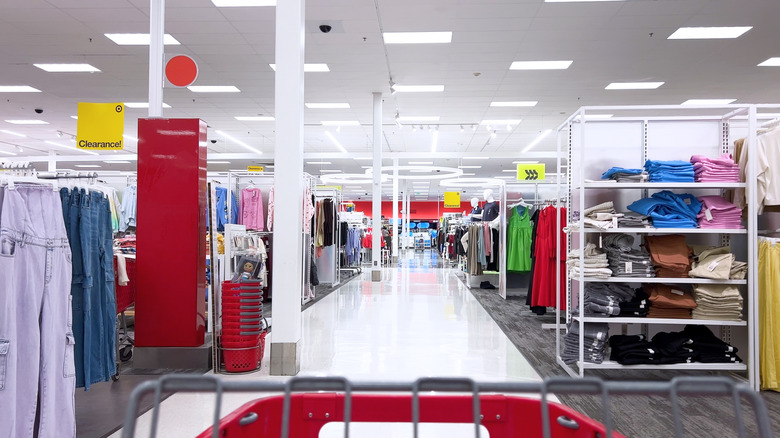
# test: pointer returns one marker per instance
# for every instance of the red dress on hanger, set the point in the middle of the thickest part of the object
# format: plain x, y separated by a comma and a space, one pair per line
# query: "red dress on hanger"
544, 284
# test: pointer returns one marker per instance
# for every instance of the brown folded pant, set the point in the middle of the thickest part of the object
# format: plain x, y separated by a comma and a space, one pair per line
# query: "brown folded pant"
668, 297
669, 253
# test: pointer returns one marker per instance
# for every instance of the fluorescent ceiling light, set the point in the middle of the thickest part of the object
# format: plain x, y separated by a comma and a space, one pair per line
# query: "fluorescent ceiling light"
254, 118
468, 174
540, 65
77, 117
363, 159
73, 148
213, 89
771, 62
505, 177
12, 133
510, 170
67, 68
525, 162
242, 3
327, 105
595, 116
366, 167
138, 39
27, 122
318, 162
708, 101
118, 162
469, 167
218, 162
435, 141
518, 103
417, 37
707, 33
418, 88
18, 89
420, 170
88, 166
340, 123
536, 141
500, 122
421, 162
239, 142
336, 142
310, 68
418, 119
476, 158
330, 171
7, 153
633, 85
137, 105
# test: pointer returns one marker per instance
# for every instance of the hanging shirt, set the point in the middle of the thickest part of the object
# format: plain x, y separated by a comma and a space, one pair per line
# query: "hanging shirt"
308, 211
252, 208
271, 210
129, 207
490, 211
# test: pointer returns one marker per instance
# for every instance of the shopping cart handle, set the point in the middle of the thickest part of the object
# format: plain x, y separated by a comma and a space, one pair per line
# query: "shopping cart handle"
568, 423
248, 419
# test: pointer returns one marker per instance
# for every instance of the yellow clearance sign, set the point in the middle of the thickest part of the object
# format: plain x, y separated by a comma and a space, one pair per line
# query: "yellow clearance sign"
255, 168
451, 199
530, 172
100, 126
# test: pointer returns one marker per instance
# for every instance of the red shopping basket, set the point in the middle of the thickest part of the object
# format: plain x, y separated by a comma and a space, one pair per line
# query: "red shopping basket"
241, 359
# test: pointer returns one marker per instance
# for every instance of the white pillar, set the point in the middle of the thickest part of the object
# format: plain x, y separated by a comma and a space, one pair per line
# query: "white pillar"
156, 55
394, 227
376, 243
288, 189
52, 161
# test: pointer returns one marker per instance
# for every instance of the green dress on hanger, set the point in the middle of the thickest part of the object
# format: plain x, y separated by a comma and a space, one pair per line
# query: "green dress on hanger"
518, 236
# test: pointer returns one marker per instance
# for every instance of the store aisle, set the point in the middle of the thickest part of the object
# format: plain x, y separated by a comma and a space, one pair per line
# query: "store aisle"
419, 321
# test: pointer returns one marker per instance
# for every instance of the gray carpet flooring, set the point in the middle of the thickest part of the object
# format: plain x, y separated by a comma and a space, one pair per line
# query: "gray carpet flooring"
633, 416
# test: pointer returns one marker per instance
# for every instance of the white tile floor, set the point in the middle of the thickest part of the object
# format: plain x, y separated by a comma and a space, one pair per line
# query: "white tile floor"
419, 321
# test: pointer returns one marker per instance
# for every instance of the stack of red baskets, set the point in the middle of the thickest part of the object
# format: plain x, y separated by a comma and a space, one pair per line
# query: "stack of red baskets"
243, 333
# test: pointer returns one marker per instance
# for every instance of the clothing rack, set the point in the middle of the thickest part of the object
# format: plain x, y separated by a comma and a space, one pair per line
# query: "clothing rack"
333, 276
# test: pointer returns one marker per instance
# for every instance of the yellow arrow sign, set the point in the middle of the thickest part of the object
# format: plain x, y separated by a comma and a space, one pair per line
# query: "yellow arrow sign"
530, 172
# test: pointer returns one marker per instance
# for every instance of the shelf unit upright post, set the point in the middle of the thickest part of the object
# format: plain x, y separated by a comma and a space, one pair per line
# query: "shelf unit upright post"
698, 123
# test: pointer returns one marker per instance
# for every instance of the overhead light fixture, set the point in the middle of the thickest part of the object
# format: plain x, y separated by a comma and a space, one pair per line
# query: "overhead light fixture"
12, 133
138, 39
418, 119
336, 142
339, 123
27, 122
309, 68
239, 142
254, 118
469, 167
312, 105
318, 162
435, 142
505, 177
419, 88
363, 159
540, 65
468, 174
708, 33
707, 102
366, 167
420, 170
218, 162
137, 105
771, 62
476, 158
518, 103
77, 117
73, 148
417, 37
242, 3
213, 89
421, 162
67, 68
633, 85
330, 171
536, 141
8, 153
118, 162
88, 166
18, 89
509, 170
500, 122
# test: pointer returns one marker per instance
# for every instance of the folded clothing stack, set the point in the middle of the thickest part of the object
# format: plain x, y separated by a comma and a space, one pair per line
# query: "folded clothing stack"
637, 306
669, 210
620, 174
594, 261
602, 216
695, 343
595, 344
669, 301
634, 220
721, 302
721, 169
626, 261
604, 299
670, 254
717, 212
669, 171
717, 263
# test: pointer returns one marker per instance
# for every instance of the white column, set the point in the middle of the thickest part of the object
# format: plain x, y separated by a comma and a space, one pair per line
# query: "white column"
376, 243
156, 55
52, 161
288, 189
395, 211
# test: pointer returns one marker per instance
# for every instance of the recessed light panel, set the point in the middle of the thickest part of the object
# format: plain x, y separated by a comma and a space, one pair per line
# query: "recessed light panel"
139, 39
540, 65
417, 37
708, 33
12, 133
27, 122
18, 89
67, 68
418, 88
633, 85
771, 62
213, 89
309, 68
138, 105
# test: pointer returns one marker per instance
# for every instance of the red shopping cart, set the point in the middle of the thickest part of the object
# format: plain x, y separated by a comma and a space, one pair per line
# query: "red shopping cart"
307, 404
125, 298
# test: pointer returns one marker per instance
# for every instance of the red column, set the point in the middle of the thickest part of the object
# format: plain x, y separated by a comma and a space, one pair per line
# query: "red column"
171, 233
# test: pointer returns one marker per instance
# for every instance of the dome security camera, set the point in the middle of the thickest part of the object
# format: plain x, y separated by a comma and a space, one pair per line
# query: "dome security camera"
213, 141
325, 28
39, 110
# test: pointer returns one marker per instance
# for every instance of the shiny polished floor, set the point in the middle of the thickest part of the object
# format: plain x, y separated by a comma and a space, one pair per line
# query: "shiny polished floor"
420, 320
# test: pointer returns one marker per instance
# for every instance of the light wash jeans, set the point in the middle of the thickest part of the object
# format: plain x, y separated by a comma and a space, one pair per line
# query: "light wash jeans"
37, 371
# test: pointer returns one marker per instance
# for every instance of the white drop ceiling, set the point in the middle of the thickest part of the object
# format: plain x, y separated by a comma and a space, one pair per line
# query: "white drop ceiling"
617, 41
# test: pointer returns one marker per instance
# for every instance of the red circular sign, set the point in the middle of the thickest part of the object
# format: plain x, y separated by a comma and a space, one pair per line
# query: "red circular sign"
181, 71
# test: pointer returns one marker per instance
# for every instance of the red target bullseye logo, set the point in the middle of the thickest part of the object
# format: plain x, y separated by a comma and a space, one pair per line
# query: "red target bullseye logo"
181, 71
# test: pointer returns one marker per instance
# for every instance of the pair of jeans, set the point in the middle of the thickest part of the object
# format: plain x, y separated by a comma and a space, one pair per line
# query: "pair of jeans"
37, 373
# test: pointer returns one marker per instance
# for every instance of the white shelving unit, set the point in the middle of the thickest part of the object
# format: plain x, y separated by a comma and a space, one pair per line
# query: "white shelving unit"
627, 140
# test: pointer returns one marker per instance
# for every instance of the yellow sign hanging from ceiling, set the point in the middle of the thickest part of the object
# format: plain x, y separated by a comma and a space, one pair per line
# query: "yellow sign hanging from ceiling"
451, 199
530, 172
255, 168
100, 126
